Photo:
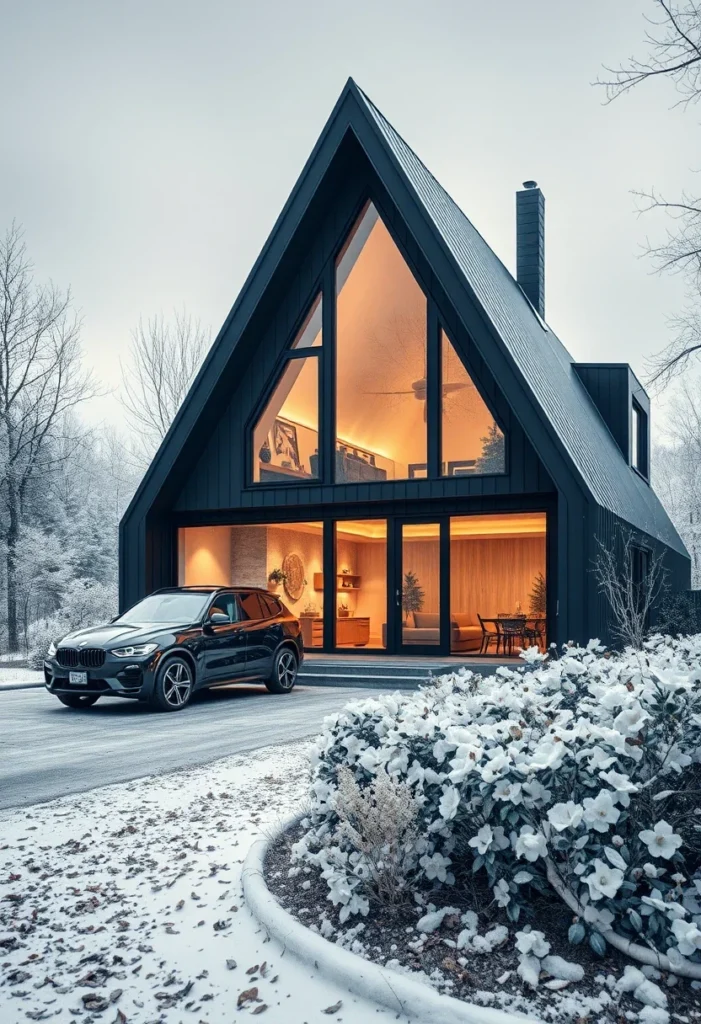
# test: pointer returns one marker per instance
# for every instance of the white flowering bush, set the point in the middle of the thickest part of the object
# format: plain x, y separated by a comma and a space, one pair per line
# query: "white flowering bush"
579, 776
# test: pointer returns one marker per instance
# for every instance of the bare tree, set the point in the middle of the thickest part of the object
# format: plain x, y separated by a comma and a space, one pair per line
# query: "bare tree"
41, 379
630, 589
164, 359
673, 44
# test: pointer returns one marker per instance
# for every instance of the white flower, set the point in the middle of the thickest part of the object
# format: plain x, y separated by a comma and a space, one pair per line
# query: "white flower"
597, 758
530, 844
661, 841
601, 811
450, 801
563, 816
533, 943
505, 790
535, 793
621, 783
651, 871
435, 866
500, 841
604, 881
631, 720
501, 893
687, 935
482, 840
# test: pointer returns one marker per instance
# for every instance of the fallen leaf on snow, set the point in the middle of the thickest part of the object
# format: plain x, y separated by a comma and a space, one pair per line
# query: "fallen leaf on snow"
333, 1009
249, 995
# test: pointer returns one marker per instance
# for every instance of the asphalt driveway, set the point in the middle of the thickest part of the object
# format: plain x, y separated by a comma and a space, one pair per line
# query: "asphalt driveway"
47, 750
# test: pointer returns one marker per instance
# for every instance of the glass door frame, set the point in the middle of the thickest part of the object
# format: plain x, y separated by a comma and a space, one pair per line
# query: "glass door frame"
395, 582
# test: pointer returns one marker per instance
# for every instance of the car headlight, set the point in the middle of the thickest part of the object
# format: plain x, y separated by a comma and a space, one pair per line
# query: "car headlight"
51, 653
137, 651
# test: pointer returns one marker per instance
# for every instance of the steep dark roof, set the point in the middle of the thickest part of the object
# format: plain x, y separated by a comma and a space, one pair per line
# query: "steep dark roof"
546, 365
540, 359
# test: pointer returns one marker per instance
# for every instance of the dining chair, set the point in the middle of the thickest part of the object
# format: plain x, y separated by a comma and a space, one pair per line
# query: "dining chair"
488, 635
513, 629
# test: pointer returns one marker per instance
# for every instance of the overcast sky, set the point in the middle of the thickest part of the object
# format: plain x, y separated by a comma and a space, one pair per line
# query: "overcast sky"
147, 146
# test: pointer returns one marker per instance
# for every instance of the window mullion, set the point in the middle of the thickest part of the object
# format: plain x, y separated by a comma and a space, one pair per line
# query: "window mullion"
433, 390
327, 378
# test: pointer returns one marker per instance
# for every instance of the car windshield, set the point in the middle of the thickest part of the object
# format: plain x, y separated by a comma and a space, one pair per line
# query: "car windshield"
167, 608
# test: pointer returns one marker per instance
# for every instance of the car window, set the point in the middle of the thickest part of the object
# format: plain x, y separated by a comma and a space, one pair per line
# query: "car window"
270, 605
170, 606
225, 604
251, 607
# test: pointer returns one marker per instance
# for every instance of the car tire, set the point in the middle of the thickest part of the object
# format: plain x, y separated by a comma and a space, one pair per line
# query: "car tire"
78, 700
284, 673
174, 684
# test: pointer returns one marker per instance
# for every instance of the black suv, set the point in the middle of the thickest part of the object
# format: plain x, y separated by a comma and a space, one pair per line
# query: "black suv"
177, 641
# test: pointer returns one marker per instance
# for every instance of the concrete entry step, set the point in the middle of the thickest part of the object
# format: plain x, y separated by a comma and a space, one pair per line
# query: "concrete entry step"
385, 673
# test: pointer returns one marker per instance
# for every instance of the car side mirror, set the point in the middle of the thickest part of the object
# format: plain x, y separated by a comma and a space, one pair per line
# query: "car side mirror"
215, 619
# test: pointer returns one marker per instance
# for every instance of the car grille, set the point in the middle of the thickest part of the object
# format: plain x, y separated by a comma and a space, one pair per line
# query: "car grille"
88, 657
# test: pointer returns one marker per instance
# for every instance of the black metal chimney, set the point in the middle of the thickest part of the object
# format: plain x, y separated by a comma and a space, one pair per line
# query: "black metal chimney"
530, 243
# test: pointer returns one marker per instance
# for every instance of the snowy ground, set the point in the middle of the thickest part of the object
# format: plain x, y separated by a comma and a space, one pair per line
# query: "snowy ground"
12, 676
124, 904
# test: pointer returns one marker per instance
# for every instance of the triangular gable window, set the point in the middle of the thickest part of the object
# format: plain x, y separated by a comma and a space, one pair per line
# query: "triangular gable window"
286, 434
386, 402
381, 314
471, 440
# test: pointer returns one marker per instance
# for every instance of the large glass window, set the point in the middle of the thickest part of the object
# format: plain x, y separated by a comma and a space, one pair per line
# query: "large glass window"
497, 583
361, 583
472, 443
286, 435
380, 359
283, 558
421, 574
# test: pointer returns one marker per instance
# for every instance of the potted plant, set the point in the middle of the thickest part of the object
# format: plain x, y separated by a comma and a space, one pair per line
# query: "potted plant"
413, 595
538, 595
343, 611
276, 577
310, 610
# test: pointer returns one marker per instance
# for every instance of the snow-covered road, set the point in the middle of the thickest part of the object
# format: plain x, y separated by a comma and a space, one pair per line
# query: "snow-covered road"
47, 750
124, 904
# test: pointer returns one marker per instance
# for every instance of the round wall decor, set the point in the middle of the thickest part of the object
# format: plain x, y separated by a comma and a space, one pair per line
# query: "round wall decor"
293, 567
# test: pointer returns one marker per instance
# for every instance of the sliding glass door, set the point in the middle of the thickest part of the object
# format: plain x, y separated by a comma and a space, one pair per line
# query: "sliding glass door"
419, 572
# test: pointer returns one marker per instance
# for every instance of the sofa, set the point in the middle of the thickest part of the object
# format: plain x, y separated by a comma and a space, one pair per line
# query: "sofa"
424, 628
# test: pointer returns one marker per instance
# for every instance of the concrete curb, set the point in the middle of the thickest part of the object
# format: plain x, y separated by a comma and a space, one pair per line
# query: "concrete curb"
397, 992
21, 686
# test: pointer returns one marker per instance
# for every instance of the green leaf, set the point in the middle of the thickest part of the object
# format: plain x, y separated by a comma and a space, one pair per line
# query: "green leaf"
576, 933
597, 943
636, 920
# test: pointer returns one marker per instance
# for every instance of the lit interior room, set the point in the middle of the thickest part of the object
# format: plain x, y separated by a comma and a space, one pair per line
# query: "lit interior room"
497, 578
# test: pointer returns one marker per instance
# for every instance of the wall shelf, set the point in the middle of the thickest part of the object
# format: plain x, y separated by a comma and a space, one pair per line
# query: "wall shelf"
353, 582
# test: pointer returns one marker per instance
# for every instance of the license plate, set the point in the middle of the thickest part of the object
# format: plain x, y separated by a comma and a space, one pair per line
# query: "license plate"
78, 678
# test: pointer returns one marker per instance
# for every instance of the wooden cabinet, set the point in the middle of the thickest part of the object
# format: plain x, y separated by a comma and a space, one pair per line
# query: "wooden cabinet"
312, 630
352, 631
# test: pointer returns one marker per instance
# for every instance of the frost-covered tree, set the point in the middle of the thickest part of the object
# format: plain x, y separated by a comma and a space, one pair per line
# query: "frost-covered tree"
41, 381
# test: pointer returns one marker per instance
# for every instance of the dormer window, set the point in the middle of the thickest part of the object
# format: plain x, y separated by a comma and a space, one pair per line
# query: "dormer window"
639, 440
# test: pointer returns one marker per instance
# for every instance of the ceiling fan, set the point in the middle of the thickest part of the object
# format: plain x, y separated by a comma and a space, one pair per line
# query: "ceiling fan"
418, 390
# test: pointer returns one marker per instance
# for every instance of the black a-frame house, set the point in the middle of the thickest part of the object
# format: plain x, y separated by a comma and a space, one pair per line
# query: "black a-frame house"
387, 426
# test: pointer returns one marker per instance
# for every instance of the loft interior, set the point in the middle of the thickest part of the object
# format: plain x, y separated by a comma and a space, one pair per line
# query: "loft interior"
387, 431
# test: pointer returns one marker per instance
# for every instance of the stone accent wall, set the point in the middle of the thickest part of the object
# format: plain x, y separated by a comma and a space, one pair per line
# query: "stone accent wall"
249, 549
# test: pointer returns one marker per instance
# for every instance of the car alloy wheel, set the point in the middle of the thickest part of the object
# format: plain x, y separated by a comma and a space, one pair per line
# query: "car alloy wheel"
177, 683
286, 670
